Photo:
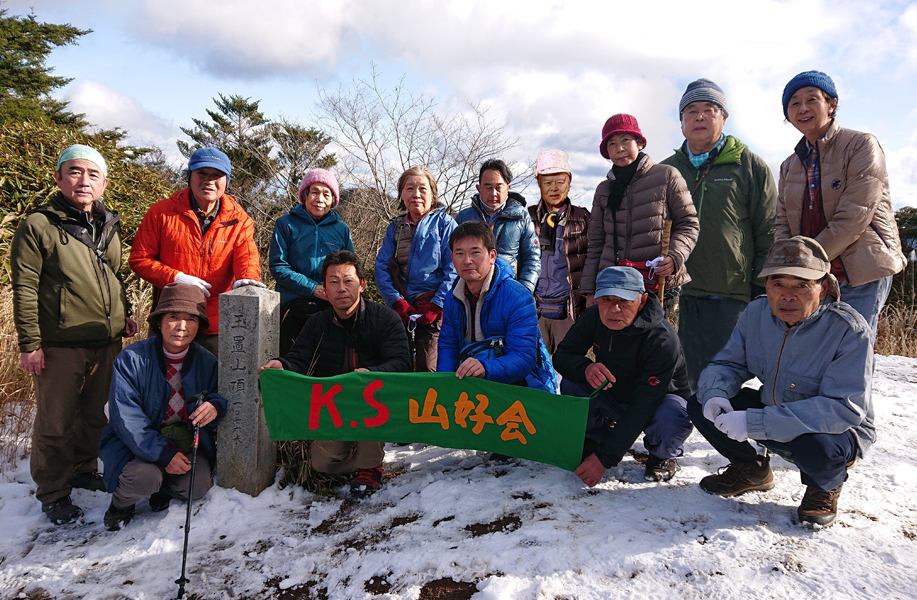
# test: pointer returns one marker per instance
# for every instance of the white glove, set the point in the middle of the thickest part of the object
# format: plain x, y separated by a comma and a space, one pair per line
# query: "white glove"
655, 262
241, 282
716, 406
192, 280
733, 424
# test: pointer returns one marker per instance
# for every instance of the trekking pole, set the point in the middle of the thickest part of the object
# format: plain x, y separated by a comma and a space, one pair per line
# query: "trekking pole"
666, 235
412, 342
181, 581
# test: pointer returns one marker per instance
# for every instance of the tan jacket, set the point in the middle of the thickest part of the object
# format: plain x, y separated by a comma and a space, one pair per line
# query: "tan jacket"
656, 194
861, 222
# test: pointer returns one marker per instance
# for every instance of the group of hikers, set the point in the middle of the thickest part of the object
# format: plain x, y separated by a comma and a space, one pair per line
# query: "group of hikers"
780, 283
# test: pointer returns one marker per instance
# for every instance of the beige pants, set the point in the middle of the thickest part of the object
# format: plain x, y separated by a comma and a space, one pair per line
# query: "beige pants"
333, 456
141, 480
70, 395
553, 331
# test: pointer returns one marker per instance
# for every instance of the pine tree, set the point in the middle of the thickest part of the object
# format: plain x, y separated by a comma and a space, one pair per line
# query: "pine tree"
239, 129
26, 82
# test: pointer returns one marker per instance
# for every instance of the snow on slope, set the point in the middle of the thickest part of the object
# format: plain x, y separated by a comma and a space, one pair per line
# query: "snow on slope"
516, 531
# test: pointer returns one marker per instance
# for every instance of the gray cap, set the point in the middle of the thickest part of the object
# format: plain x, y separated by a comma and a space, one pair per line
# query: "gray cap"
624, 282
797, 256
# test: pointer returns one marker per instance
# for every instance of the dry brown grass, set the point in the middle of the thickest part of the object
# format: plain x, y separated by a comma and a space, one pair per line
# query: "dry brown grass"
17, 396
896, 333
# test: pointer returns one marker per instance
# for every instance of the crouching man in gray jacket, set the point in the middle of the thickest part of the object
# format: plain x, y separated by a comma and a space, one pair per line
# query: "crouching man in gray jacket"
814, 357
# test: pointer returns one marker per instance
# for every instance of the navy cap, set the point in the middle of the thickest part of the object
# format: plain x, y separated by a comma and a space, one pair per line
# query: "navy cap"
209, 157
624, 282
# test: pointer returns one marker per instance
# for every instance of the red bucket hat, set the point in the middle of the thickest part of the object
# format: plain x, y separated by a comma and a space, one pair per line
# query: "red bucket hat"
620, 123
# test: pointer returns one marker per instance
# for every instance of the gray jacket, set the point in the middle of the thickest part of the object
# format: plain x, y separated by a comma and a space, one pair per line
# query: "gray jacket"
817, 374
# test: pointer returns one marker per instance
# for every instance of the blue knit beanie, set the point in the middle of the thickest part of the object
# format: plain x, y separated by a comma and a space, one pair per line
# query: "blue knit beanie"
209, 157
807, 79
703, 90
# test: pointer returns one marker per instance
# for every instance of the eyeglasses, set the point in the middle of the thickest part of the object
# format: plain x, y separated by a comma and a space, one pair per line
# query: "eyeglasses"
708, 112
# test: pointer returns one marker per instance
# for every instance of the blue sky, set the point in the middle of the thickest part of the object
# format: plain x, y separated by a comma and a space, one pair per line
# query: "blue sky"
550, 72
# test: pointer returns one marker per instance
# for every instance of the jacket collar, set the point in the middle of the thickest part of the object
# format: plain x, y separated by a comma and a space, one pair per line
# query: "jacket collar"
802, 149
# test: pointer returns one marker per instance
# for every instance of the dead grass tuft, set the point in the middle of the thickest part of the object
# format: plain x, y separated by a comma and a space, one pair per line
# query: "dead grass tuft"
896, 331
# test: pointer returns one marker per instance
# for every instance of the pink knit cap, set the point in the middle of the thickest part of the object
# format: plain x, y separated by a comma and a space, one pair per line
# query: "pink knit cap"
551, 162
620, 123
320, 176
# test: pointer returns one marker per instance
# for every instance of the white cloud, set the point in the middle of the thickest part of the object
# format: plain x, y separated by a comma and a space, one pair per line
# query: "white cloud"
108, 109
554, 71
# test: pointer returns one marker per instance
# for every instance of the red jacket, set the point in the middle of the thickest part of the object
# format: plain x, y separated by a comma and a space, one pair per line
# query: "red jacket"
169, 241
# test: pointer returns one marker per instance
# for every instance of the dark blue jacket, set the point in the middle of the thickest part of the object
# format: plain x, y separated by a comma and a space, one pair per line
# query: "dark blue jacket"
137, 404
429, 268
298, 249
505, 309
517, 243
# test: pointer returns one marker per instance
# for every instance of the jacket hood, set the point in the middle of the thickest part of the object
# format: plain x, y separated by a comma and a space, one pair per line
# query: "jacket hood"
435, 210
62, 208
515, 202
299, 211
731, 152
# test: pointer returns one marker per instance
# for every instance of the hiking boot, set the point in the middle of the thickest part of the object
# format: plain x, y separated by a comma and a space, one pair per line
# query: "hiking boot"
660, 469
62, 511
89, 480
738, 478
366, 482
115, 517
159, 501
818, 507
500, 459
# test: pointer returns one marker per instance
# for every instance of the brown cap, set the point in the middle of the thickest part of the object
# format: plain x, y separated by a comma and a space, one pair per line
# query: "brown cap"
181, 297
798, 256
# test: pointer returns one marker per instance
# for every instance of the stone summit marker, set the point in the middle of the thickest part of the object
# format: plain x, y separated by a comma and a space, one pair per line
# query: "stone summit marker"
249, 337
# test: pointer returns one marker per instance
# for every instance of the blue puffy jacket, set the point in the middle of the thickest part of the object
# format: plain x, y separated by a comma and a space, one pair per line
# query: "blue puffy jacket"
429, 268
137, 404
517, 243
298, 249
505, 309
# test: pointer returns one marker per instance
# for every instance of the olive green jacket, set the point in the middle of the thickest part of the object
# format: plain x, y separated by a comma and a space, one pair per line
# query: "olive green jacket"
67, 291
736, 203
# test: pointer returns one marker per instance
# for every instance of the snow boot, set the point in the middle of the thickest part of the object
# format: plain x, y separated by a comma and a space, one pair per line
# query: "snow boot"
62, 511
115, 518
366, 482
660, 469
738, 478
159, 501
818, 507
89, 480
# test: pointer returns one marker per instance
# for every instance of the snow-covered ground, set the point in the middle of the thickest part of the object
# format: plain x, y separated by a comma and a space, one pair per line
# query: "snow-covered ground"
517, 531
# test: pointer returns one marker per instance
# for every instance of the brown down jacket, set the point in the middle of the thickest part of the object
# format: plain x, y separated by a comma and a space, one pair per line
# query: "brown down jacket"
656, 194
854, 190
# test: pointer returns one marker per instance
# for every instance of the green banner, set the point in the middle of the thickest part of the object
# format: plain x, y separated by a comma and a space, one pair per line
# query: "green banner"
434, 408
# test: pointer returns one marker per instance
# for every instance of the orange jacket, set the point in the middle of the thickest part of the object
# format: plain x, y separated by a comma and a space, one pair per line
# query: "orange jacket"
169, 241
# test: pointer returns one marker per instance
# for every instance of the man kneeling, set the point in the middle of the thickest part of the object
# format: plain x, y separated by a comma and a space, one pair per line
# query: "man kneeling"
814, 357
147, 443
352, 335
640, 370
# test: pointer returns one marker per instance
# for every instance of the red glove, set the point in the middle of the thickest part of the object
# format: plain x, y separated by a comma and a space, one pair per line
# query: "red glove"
430, 314
403, 308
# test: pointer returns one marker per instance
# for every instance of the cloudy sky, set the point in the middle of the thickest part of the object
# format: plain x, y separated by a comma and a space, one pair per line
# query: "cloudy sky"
551, 72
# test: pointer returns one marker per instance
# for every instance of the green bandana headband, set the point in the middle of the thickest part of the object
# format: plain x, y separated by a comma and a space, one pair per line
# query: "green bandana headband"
78, 151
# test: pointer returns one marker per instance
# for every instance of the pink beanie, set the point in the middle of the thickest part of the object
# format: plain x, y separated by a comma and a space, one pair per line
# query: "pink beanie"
324, 177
